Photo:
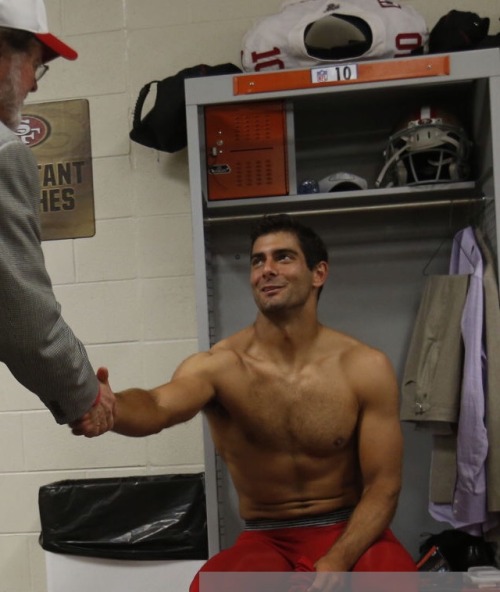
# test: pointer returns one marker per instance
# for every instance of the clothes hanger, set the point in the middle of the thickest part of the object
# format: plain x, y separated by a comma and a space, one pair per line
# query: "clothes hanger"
473, 216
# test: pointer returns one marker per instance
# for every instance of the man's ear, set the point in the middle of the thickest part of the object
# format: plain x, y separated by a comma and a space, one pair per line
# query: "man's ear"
320, 274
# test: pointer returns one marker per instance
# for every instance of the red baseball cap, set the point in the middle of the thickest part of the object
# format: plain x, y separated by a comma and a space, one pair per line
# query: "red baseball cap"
31, 16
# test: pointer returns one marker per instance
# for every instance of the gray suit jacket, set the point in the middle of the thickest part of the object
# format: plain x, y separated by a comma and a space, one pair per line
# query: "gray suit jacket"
36, 344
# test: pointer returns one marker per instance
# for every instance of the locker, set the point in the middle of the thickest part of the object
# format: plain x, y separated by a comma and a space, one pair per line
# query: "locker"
382, 241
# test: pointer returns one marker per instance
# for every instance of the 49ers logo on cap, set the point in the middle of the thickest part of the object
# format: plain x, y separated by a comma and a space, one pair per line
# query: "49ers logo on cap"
33, 130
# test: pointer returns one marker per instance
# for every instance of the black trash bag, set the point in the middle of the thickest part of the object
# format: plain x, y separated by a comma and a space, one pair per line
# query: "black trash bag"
151, 517
164, 127
460, 549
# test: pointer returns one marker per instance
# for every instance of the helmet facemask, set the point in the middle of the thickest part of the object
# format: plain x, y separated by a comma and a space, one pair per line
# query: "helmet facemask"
426, 150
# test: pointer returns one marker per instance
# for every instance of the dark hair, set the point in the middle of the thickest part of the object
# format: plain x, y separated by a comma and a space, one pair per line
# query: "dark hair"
311, 244
15, 41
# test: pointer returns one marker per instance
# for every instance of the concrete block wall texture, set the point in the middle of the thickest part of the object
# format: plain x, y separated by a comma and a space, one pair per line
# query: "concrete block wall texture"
127, 292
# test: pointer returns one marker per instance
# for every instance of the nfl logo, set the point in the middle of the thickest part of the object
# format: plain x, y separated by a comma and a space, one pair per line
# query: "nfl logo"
322, 75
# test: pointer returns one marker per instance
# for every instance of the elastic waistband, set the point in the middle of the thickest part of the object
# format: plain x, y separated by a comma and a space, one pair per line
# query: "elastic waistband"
328, 519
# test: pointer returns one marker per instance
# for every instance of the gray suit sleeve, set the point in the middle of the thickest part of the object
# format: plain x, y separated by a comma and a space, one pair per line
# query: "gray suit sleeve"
36, 344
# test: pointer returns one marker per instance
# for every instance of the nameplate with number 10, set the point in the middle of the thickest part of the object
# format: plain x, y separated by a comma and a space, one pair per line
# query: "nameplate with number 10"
338, 73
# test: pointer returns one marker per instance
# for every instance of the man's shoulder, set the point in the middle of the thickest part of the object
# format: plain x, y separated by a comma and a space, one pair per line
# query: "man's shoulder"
221, 361
225, 351
367, 367
228, 353
235, 343
352, 348
343, 341
9, 141
7, 135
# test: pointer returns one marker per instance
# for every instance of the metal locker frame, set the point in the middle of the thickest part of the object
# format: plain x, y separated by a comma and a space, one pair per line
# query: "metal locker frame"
481, 67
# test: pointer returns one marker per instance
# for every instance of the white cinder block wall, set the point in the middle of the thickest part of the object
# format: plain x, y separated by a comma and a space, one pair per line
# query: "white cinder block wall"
128, 292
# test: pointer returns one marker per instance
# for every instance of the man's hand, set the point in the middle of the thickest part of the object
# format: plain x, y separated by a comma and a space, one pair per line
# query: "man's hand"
328, 578
100, 418
319, 577
329, 581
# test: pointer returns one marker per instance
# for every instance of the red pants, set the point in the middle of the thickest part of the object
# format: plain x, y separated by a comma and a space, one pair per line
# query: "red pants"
298, 548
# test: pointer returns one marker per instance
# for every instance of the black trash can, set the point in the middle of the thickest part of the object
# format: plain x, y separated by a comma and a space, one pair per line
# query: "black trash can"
146, 517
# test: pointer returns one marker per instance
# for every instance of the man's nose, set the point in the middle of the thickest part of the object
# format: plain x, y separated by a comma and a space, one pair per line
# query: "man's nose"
269, 267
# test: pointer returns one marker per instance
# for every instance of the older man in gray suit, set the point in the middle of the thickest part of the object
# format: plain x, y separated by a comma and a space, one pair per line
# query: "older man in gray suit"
36, 344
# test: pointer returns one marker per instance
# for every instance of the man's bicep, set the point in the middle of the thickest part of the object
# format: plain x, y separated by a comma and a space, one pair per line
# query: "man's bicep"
380, 437
380, 447
191, 388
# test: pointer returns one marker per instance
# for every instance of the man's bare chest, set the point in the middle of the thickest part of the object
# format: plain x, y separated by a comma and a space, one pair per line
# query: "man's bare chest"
311, 410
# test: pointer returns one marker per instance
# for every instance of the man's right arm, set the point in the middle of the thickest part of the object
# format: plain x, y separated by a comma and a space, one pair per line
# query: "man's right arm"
141, 412
39, 348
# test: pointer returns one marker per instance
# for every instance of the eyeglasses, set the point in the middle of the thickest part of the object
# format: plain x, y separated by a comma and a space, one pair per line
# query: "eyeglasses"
40, 71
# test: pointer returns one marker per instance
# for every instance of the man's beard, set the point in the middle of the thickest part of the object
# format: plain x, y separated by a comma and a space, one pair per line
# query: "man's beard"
279, 306
11, 100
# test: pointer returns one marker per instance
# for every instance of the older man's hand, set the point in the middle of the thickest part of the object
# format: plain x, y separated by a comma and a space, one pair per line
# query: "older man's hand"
100, 417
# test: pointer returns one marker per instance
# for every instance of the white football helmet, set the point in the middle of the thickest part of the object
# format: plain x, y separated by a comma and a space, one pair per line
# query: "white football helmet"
431, 146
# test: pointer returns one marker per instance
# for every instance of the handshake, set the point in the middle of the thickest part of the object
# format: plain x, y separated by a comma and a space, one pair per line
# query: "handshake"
101, 416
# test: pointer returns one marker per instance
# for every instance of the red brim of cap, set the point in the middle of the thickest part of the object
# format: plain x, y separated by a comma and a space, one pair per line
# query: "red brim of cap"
54, 47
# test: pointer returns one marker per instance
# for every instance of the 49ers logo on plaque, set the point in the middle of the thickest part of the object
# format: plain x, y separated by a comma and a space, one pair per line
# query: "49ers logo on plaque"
59, 135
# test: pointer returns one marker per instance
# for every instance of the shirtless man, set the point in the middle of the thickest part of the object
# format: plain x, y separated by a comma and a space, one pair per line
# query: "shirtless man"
305, 418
